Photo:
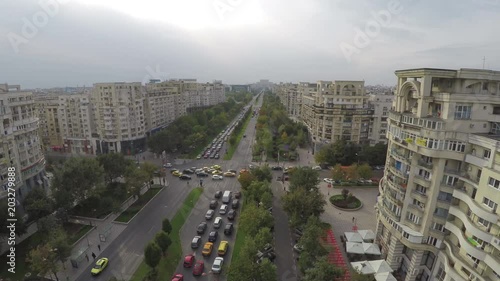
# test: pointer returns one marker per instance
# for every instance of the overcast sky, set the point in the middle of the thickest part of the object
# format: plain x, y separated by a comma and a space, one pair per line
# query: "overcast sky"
81, 42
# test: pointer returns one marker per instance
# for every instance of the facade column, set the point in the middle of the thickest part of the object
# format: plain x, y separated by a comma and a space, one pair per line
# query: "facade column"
414, 268
395, 248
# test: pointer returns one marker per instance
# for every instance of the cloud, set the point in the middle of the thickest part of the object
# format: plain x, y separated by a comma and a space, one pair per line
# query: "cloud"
296, 40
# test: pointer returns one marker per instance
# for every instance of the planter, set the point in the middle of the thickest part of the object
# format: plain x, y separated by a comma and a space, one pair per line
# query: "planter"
350, 204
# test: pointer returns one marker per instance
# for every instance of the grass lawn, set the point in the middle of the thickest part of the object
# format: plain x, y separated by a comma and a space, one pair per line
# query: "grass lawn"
169, 263
22, 251
240, 238
133, 209
232, 148
76, 231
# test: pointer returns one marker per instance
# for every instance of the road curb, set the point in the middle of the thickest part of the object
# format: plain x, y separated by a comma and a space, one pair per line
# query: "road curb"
126, 223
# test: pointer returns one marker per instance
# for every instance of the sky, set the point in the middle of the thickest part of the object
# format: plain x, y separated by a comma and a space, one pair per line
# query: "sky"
57, 43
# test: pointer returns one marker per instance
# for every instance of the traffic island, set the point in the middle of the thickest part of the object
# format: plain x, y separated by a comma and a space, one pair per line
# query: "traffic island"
346, 203
129, 213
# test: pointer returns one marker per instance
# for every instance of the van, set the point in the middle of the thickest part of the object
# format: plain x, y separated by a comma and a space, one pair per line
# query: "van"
222, 248
226, 198
217, 222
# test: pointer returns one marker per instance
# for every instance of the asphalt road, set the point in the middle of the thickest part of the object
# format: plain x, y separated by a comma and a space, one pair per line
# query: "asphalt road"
241, 159
126, 252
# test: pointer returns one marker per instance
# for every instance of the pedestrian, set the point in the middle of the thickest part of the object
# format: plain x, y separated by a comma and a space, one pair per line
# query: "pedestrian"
99, 246
93, 255
353, 219
87, 256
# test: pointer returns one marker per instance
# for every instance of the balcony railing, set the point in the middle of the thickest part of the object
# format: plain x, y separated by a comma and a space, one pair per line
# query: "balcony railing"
425, 164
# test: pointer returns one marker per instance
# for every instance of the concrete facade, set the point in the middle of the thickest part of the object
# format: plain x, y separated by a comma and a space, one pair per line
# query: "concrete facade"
381, 104
437, 212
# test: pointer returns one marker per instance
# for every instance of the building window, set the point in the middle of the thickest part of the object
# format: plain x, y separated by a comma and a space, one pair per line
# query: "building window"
487, 154
463, 112
494, 183
440, 212
413, 218
441, 273
445, 196
438, 227
483, 222
428, 259
492, 205
420, 189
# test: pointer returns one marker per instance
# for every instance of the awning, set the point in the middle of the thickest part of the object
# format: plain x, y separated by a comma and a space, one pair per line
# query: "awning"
354, 248
380, 266
371, 249
367, 234
353, 237
363, 267
387, 276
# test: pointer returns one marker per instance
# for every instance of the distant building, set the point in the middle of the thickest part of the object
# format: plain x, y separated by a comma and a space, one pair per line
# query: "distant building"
263, 84
381, 105
239, 88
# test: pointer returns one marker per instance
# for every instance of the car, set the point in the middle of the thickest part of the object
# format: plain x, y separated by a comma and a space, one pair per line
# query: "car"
176, 174
202, 174
271, 256
198, 157
168, 165
228, 229
229, 174
184, 177
218, 194
231, 215
213, 204
212, 236
178, 277
206, 156
222, 250
188, 171
207, 249
328, 180
217, 265
212, 156
217, 177
317, 168
217, 222
216, 172
237, 195
196, 242
198, 268
232, 171
277, 168
223, 209
202, 227
217, 156
298, 248
244, 136
250, 166
99, 266
235, 204
188, 261
209, 215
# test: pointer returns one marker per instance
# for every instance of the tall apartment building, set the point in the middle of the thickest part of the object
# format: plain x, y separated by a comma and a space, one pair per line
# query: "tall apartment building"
438, 216
163, 105
76, 123
49, 130
381, 104
20, 145
119, 115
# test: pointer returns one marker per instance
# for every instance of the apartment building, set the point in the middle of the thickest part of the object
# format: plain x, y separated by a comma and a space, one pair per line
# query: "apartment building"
437, 215
163, 105
120, 118
20, 145
381, 104
76, 123
49, 130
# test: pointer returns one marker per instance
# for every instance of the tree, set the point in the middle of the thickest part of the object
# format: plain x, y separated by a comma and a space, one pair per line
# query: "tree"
166, 226
163, 241
78, 179
338, 173
323, 271
263, 237
43, 260
114, 165
244, 268
263, 173
312, 249
267, 200
256, 192
254, 218
304, 177
46, 226
152, 254
246, 179
135, 179
365, 171
58, 241
149, 170
345, 193
37, 204
352, 172
299, 204
267, 271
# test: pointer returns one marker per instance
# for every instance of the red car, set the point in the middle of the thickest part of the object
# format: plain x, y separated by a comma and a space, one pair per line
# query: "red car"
178, 277
198, 268
188, 261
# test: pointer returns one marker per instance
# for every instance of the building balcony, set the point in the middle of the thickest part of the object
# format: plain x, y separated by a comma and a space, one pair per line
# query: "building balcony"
424, 181
475, 160
417, 208
424, 164
396, 186
452, 257
399, 155
398, 173
464, 242
389, 213
472, 180
435, 153
486, 214
471, 226
419, 196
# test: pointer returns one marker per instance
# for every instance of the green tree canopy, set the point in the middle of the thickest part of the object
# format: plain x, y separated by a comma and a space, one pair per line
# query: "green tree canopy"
304, 177
114, 165
166, 226
322, 270
163, 241
38, 204
152, 254
43, 260
253, 218
299, 204
365, 171
337, 173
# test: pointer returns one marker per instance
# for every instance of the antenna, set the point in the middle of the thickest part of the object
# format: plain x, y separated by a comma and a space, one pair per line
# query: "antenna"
484, 61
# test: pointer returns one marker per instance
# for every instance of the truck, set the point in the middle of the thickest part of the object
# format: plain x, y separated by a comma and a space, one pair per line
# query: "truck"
226, 198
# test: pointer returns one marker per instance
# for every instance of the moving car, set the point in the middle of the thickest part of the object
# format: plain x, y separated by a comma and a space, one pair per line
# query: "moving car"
217, 177
223, 209
188, 261
196, 242
217, 265
229, 174
232, 171
218, 194
213, 204
217, 222
235, 204
207, 249
216, 172
176, 173
168, 165
222, 248
216, 167
188, 171
327, 180
185, 177
277, 168
317, 168
228, 229
202, 227
231, 215
198, 268
202, 174
212, 236
178, 277
209, 215
99, 266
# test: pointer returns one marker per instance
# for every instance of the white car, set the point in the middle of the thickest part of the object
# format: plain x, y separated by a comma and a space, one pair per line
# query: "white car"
168, 165
327, 180
217, 265
217, 177
317, 168
223, 209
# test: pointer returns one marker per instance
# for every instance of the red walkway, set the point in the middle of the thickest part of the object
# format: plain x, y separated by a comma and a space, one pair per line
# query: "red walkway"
335, 256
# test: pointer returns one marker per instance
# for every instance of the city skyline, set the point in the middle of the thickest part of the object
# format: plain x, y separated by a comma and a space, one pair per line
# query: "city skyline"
76, 43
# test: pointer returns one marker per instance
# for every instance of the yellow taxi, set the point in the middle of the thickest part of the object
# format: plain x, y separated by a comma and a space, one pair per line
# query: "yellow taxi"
229, 174
222, 248
216, 172
216, 167
176, 173
207, 249
99, 266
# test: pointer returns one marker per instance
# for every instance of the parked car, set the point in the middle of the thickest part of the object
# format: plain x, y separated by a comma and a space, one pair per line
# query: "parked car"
235, 204
232, 171
229, 174
202, 174
168, 165
228, 229
178, 277
317, 168
237, 195
327, 180
277, 168
185, 177
202, 227
217, 177
298, 248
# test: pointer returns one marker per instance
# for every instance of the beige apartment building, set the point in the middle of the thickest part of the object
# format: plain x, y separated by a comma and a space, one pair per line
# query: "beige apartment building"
120, 117
76, 124
381, 104
438, 216
20, 145
49, 130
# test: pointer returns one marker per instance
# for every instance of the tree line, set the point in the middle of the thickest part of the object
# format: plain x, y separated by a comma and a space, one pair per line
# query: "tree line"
346, 153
